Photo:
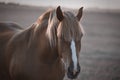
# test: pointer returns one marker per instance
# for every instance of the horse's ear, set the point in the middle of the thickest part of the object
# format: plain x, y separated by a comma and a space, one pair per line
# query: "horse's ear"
59, 14
79, 15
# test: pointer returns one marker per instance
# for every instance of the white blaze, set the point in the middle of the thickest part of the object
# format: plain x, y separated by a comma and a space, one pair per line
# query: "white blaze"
74, 56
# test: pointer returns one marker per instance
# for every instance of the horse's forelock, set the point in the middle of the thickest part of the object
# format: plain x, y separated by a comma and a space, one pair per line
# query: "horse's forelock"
70, 27
67, 29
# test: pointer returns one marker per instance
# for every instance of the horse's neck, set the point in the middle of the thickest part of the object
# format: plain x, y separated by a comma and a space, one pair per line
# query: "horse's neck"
47, 54
39, 40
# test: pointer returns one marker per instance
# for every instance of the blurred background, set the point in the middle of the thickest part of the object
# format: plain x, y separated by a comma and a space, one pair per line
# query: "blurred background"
108, 4
100, 53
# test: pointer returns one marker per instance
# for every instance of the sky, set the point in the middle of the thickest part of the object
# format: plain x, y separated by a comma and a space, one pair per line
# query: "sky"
105, 4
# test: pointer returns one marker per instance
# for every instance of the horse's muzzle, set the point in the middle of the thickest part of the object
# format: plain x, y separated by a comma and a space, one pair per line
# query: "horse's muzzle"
71, 73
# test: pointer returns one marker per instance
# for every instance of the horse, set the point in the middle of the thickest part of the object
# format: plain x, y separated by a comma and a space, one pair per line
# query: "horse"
47, 50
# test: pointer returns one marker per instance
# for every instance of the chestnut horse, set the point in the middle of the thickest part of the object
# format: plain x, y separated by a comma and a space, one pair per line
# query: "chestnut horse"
48, 50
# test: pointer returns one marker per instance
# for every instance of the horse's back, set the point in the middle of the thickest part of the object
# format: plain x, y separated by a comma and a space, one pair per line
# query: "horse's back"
9, 26
7, 30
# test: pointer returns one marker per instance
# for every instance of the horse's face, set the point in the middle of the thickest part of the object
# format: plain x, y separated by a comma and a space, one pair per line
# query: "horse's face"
69, 35
69, 52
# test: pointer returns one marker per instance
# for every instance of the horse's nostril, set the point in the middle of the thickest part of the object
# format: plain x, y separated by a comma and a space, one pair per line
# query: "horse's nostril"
78, 68
70, 69
71, 73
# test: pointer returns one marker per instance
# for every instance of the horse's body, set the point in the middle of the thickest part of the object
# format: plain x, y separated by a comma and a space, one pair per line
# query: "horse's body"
31, 65
27, 54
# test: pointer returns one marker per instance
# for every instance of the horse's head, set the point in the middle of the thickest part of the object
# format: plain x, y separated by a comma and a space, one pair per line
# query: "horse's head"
68, 34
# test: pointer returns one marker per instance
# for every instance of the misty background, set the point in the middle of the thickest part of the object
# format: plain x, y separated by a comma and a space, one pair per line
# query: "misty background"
102, 4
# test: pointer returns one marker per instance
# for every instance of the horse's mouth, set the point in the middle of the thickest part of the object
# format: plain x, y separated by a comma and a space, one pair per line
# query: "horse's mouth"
72, 75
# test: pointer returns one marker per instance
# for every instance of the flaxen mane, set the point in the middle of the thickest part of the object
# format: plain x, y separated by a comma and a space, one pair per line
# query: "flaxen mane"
52, 28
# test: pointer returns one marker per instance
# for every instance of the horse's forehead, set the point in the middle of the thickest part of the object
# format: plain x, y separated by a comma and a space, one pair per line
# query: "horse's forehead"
70, 28
70, 33
69, 15
70, 20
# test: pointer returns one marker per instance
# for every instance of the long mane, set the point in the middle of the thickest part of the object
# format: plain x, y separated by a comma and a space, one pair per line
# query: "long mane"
51, 29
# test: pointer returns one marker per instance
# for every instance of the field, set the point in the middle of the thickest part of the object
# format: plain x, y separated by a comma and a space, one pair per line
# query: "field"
100, 55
